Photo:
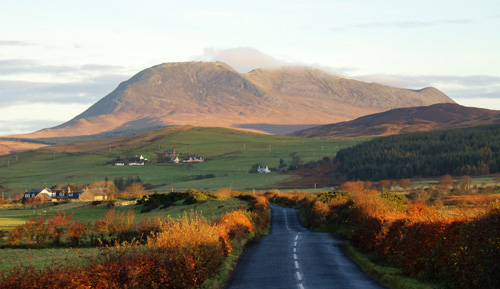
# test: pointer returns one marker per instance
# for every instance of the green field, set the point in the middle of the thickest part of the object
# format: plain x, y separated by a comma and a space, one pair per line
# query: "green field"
85, 212
229, 155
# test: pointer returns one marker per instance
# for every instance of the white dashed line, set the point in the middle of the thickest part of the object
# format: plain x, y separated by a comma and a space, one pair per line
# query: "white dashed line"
299, 277
295, 257
301, 286
296, 264
295, 250
295, 244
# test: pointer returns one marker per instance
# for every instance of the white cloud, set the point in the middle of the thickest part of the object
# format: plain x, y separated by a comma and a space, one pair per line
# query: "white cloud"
33, 111
480, 102
243, 59
474, 90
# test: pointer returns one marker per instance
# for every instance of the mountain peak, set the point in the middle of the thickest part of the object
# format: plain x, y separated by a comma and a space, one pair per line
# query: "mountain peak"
214, 94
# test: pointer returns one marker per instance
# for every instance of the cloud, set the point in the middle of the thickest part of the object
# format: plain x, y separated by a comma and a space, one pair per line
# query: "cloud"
14, 43
404, 24
245, 59
27, 66
86, 91
18, 127
463, 89
25, 116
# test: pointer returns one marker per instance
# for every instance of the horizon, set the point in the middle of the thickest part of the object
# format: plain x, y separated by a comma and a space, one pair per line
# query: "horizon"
55, 62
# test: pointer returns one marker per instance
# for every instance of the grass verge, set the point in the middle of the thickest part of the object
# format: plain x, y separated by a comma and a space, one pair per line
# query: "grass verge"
231, 261
389, 276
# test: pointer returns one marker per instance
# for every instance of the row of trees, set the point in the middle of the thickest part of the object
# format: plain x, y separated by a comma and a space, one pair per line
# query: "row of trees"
470, 151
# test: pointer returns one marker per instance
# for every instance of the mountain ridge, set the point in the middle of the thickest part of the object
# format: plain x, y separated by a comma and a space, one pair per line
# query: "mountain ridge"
406, 120
214, 94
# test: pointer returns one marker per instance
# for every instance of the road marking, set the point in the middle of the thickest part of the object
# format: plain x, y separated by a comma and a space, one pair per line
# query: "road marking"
296, 264
301, 286
295, 257
295, 244
295, 250
299, 277
296, 237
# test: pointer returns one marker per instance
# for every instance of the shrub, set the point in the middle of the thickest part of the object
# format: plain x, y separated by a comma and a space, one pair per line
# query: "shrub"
236, 225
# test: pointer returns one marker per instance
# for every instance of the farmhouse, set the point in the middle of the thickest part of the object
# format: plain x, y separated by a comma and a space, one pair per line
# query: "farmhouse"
53, 195
263, 170
135, 161
193, 160
35, 192
92, 195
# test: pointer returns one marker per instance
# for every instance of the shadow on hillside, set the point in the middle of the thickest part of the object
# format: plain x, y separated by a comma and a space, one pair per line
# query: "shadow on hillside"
280, 129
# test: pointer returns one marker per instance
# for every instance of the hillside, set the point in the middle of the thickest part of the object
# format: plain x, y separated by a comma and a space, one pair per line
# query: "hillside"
229, 155
280, 100
469, 151
406, 120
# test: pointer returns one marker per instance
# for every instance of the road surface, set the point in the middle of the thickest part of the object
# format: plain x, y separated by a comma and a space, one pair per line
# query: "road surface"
293, 257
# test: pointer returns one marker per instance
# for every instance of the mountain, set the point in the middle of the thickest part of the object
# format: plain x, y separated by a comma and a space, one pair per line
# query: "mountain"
277, 100
405, 120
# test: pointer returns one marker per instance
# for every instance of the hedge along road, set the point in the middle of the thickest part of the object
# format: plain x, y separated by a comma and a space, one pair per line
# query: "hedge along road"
291, 256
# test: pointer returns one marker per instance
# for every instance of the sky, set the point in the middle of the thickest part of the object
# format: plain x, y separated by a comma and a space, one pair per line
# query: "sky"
57, 58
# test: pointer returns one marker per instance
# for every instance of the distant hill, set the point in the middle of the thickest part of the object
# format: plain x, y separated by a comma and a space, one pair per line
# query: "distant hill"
405, 120
277, 100
471, 151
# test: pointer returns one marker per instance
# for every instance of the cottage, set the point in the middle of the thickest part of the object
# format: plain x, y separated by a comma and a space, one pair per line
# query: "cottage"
193, 160
92, 195
175, 160
74, 195
263, 170
35, 192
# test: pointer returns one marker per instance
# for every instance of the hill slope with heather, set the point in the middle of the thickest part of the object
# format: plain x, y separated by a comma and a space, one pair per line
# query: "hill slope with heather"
277, 100
406, 120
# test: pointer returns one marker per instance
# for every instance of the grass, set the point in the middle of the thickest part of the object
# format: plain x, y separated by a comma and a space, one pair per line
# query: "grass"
229, 156
85, 212
389, 276
43, 257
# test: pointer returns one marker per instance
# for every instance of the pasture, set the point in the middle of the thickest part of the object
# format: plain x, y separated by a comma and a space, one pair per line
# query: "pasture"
228, 154
86, 212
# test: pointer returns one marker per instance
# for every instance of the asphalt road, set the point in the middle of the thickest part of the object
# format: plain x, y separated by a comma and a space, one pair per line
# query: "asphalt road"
291, 256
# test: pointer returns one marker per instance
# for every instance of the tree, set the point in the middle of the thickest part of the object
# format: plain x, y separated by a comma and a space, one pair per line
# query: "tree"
384, 184
352, 187
405, 184
296, 161
106, 187
135, 189
465, 182
446, 181
120, 184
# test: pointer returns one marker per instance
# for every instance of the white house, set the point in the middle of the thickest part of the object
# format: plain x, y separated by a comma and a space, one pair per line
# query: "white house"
35, 192
263, 170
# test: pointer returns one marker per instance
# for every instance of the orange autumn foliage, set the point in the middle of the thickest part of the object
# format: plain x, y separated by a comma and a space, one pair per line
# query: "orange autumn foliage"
460, 248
